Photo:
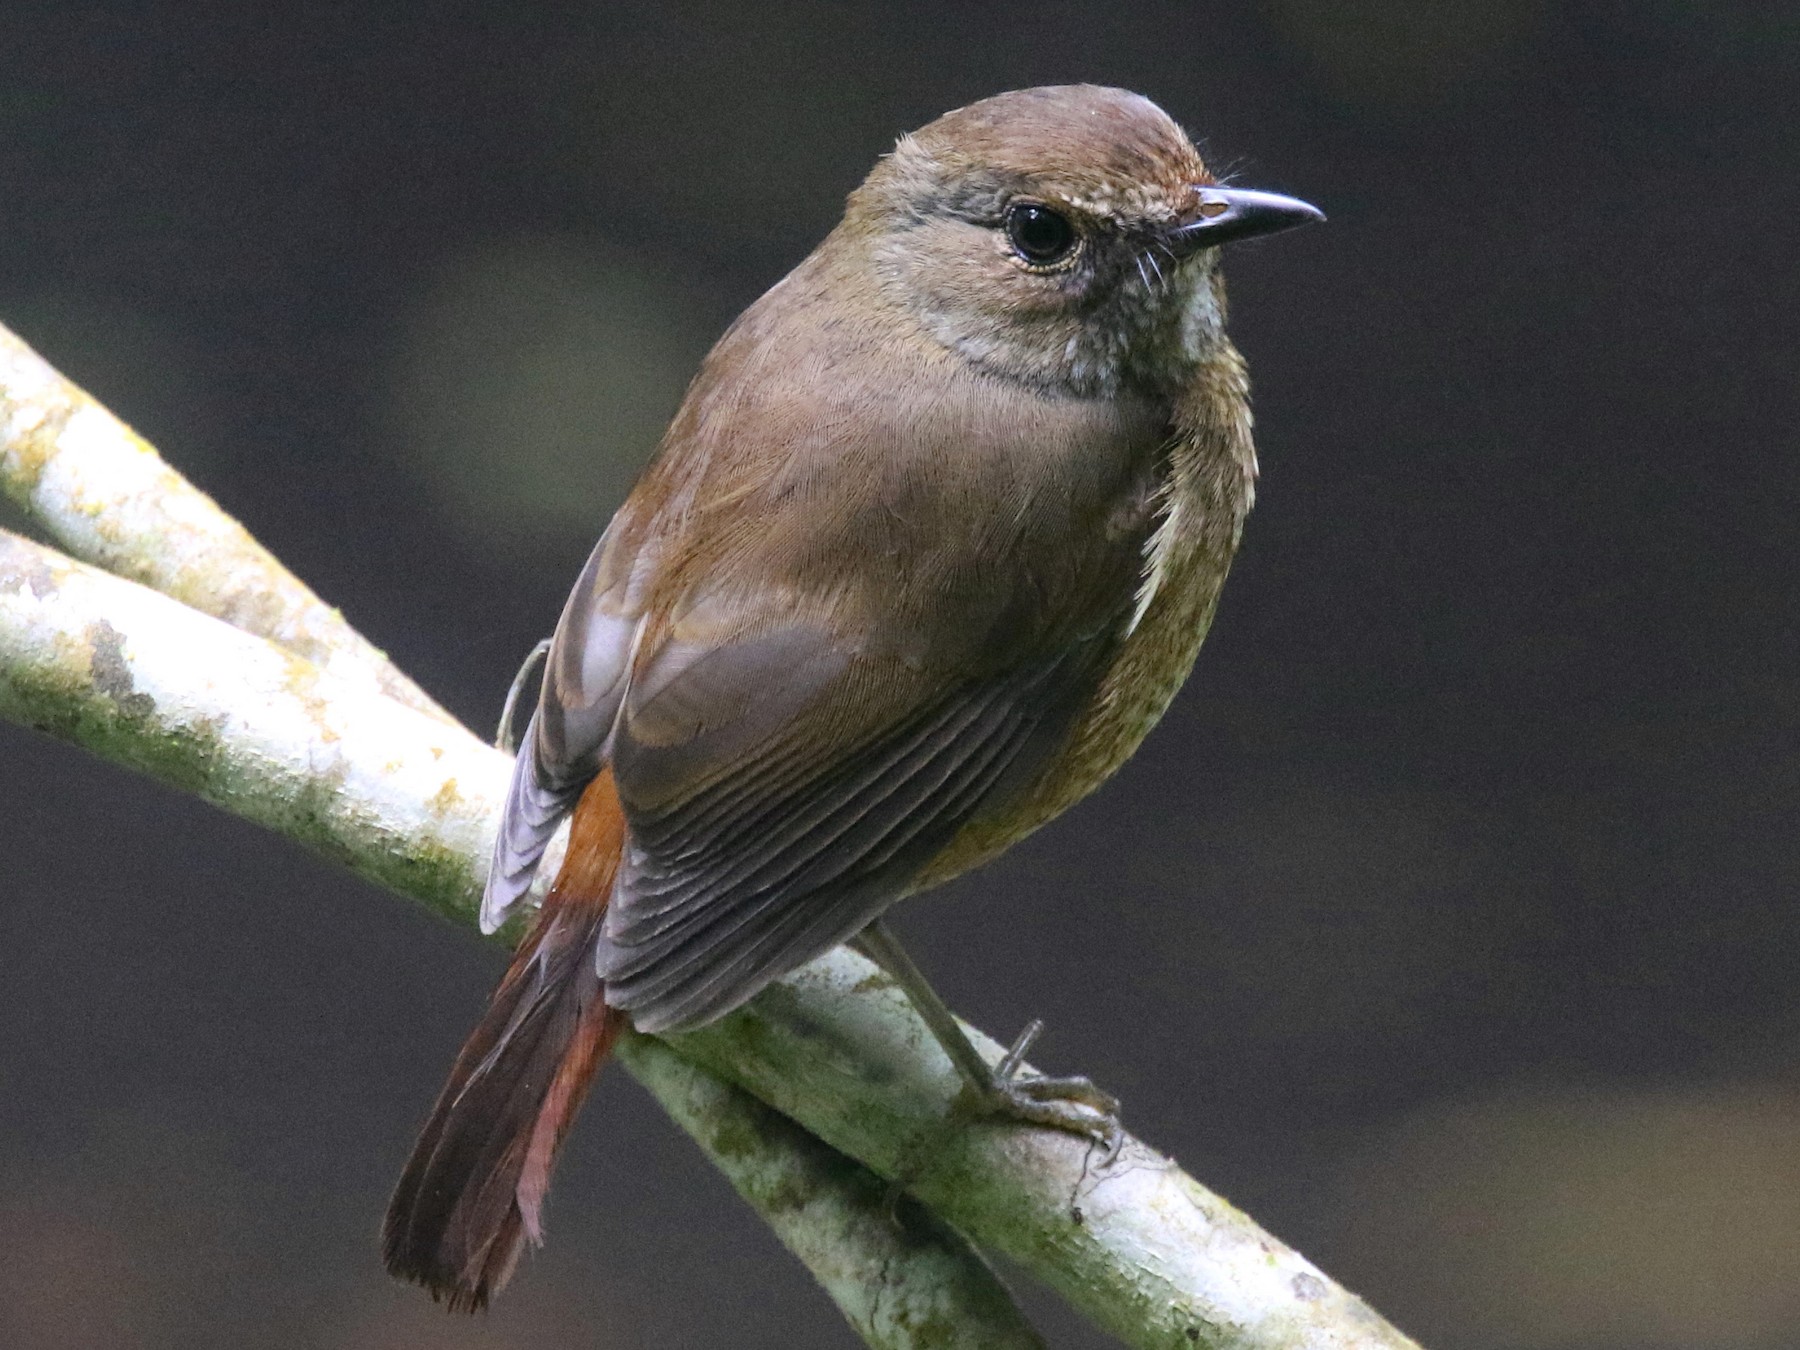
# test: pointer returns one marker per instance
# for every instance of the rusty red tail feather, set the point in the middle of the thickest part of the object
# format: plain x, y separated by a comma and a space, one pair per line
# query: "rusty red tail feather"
473, 1190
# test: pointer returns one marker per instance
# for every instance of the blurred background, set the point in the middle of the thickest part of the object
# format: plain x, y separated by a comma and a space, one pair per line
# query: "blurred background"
1448, 923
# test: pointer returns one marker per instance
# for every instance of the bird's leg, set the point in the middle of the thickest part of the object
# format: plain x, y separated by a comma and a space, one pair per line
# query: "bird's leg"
1074, 1104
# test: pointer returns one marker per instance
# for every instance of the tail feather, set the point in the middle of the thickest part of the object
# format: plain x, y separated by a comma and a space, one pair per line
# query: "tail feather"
473, 1191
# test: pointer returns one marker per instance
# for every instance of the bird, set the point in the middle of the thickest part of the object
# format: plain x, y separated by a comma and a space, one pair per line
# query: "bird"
926, 550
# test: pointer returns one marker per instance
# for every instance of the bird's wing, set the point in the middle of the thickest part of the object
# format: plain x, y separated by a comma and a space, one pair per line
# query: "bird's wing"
831, 626
565, 742
785, 784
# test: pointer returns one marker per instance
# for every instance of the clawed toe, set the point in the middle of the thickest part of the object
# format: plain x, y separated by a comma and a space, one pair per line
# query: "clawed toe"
1075, 1089
1034, 1101
1073, 1104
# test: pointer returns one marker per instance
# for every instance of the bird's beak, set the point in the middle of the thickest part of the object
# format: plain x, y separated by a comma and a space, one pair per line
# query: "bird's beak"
1221, 215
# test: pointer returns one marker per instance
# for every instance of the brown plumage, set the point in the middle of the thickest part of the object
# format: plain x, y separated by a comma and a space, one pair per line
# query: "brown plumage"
927, 549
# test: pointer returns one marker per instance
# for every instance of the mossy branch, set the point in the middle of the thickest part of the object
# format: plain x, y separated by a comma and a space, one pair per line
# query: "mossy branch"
410, 800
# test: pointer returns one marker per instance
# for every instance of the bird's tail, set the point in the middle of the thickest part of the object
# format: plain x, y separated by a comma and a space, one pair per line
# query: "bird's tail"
473, 1190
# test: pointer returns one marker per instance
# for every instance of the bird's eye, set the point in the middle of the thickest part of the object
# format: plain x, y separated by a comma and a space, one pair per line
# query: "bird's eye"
1039, 235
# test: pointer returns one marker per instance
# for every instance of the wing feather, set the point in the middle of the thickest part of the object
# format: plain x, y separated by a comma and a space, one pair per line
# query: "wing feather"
858, 624
806, 838
564, 744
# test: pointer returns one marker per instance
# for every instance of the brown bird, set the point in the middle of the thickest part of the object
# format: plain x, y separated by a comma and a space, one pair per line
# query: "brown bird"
929, 546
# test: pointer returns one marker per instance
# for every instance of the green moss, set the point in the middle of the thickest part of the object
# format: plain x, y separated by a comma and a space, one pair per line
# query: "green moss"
120, 725
438, 878
740, 1136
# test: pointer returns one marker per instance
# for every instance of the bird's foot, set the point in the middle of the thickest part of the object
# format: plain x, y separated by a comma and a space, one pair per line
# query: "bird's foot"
1073, 1104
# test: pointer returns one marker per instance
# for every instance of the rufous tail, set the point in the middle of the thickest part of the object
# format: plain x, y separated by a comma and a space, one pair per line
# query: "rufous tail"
473, 1191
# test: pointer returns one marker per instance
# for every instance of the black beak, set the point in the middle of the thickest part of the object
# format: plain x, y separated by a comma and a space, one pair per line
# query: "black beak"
1227, 214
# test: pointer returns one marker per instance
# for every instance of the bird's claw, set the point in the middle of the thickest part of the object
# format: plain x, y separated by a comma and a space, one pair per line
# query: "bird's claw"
1072, 1104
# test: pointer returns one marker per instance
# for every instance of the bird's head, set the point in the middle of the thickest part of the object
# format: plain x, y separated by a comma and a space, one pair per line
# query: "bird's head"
1067, 236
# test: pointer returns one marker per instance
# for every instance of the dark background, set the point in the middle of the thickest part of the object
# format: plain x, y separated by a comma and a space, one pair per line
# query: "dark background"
1447, 924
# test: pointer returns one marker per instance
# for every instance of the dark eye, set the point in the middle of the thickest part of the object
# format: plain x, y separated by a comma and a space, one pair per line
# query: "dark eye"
1038, 234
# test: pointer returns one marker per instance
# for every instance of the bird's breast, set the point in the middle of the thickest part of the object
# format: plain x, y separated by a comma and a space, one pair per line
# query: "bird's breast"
1205, 495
